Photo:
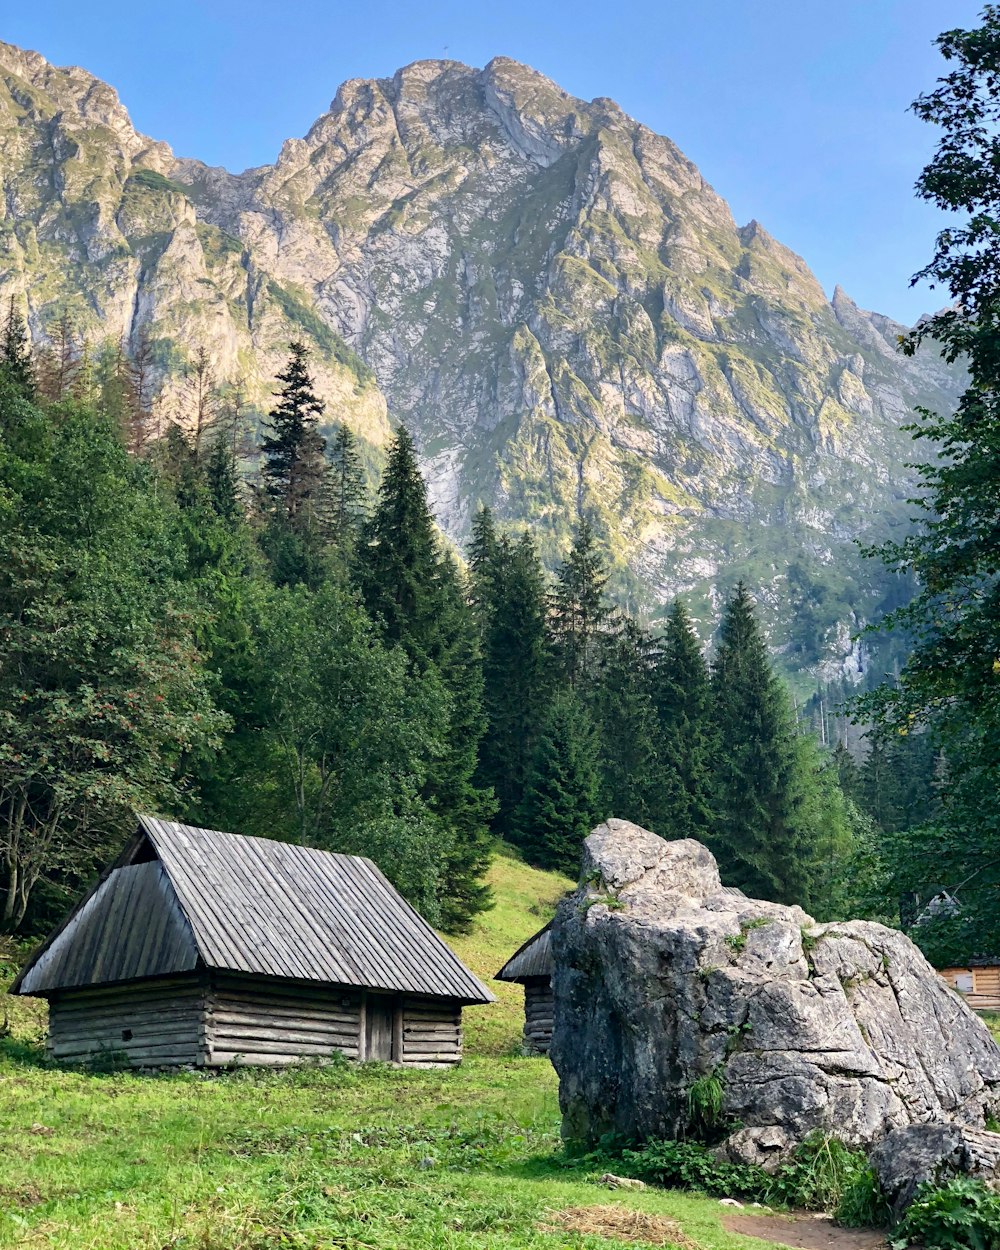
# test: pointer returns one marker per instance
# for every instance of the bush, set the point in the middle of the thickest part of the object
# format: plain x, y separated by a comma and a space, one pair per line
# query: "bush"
962, 1214
822, 1175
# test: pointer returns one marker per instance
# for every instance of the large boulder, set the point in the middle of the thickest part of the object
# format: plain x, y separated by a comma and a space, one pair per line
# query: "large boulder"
664, 977
933, 1154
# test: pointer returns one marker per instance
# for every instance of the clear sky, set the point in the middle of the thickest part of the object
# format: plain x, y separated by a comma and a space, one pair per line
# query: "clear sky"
794, 110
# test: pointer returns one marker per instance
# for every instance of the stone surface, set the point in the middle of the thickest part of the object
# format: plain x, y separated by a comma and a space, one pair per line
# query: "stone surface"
909, 1156
664, 977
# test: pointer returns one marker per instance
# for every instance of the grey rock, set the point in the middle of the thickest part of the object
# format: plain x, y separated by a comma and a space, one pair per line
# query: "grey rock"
918, 1153
662, 977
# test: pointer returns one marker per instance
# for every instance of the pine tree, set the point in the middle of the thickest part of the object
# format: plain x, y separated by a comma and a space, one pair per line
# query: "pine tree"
627, 724
686, 731
561, 802
416, 597
579, 607
401, 575
348, 490
294, 465
223, 480
15, 352
482, 554
509, 599
454, 791
759, 839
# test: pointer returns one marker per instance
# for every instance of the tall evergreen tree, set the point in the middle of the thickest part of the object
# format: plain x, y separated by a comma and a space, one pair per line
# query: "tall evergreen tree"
510, 601
561, 801
482, 553
759, 837
348, 490
949, 682
222, 479
15, 352
686, 731
580, 608
294, 468
419, 603
627, 724
401, 574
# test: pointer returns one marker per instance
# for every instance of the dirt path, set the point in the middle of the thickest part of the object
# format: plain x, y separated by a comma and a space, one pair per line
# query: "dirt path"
804, 1232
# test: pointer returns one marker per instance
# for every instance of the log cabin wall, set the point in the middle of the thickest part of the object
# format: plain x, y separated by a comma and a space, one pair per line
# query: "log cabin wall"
539, 1014
150, 1024
273, 1022
431, 1032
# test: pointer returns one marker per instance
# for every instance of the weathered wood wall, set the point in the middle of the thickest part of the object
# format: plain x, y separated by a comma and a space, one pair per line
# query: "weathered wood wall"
539, 1012
213, 1019
254, 1021
151, 1024
431, 1033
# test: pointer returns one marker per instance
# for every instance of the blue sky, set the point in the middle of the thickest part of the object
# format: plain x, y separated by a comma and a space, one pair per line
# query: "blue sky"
794, 111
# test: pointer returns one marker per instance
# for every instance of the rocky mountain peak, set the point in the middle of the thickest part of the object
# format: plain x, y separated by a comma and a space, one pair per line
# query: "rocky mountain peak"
547, 292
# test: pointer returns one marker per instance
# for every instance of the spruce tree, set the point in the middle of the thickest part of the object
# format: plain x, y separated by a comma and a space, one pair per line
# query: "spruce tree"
482, 553
685, 731
15, 352
627, 725
223, 480
453, 789
401, 574
348, 490
561, 803
759, 837
417, 599
294, 467
510, 600
579, 607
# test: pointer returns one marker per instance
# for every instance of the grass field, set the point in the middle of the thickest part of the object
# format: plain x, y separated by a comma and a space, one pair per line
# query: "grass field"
324, 1158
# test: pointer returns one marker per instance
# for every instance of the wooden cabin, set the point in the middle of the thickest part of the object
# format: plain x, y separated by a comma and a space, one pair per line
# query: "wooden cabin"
978, 981
531, 965
209, 949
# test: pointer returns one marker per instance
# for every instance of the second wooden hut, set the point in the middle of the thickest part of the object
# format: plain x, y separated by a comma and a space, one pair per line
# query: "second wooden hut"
531, 966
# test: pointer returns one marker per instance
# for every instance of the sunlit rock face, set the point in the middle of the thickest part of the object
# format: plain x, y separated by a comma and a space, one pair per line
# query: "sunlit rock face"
548, 293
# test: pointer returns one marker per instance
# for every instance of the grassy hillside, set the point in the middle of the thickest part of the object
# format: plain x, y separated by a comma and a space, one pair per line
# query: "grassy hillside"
525, 899
329, 1158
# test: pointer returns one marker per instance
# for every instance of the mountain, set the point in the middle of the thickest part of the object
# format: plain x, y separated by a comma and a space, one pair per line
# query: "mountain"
546, 292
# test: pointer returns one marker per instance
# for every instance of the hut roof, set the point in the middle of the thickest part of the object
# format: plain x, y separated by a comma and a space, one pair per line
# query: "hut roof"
533, 959
179, 898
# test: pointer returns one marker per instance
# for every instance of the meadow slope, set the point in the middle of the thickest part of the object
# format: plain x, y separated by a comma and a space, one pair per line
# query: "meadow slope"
327, 1158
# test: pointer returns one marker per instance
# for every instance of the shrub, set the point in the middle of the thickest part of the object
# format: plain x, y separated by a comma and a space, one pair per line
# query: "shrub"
823, 1174
962, 1214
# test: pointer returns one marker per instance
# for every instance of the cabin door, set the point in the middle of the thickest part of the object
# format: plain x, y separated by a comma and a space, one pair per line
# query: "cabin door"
379, 1014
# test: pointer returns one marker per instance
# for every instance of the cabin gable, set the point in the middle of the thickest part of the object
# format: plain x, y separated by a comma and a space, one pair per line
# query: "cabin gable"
131, 927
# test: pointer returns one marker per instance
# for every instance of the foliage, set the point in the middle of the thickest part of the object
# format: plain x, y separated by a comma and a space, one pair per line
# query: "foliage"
103, 698
822, 1175
959, 1214
950, 684
561, 797
761, 838
294, 469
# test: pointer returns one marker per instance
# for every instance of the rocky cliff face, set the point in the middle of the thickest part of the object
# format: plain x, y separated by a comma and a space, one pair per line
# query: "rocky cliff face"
547, 292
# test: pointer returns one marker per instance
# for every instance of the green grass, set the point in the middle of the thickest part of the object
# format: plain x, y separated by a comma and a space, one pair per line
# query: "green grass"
314, 1158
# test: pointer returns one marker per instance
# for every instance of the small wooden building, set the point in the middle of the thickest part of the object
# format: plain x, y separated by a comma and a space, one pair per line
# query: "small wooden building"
531, 965
208, 949
979, 981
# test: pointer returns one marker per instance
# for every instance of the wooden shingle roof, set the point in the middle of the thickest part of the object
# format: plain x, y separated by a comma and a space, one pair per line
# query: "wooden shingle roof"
533, 959
251, 905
